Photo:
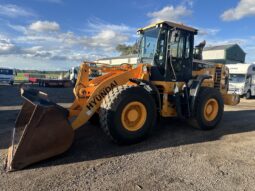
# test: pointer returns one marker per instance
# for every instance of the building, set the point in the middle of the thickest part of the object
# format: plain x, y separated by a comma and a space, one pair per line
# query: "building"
225, 54
129, 59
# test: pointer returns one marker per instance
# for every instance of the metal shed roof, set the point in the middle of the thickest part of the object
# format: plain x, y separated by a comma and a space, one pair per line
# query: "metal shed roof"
219, 47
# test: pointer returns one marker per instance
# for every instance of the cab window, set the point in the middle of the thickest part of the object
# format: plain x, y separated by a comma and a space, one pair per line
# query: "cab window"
187, 51
159, 58
177, 48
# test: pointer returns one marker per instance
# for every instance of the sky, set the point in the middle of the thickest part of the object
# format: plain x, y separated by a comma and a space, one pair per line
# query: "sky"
59, 34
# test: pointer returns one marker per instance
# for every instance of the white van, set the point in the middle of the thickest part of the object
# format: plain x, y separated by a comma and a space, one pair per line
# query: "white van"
73, 74
7, 75
92, 72
242, 79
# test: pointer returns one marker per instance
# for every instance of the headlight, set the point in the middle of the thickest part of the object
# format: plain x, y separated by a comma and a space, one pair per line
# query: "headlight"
240, 90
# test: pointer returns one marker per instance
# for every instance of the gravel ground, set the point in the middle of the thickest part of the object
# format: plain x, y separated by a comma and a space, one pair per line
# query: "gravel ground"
175, 157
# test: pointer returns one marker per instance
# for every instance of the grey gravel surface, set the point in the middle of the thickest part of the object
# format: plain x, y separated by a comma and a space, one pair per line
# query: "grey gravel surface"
175, 157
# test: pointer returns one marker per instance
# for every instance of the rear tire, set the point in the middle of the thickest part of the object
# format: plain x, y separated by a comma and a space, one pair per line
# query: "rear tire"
209, 108
127, 114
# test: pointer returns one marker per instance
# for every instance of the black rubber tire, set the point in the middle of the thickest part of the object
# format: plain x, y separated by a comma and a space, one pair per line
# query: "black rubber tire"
111, 109
248, 95
95, 120
204, 95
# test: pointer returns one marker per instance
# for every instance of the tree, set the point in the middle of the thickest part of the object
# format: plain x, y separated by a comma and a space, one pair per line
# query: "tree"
127, 49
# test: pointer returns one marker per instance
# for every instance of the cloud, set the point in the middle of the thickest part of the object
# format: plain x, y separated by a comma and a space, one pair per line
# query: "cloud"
51, 1
104, 40
17, 28
35, 64
6, 46
240, 41
170, 13
243, 9
208, 31
40, 52
97, 24
100, 36
11, 10
208, 34
190, 3
44, 26
107, 39
43, 40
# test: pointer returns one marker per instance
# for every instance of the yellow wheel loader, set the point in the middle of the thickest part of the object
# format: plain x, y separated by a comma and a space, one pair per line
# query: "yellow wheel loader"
167, 82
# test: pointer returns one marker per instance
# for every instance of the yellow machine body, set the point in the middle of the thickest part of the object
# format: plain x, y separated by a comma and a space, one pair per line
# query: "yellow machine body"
89, 94
44, 129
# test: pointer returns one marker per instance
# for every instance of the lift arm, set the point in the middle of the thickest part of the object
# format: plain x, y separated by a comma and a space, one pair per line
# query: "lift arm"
90, 94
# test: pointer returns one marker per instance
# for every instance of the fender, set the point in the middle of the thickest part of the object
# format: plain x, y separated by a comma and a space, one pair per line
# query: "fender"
152, 89
194, 90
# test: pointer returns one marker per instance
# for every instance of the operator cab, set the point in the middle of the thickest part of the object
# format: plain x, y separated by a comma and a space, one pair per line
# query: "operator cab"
168, 47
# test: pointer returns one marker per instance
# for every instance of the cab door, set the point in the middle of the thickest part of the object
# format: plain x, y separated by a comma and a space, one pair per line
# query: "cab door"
181, 48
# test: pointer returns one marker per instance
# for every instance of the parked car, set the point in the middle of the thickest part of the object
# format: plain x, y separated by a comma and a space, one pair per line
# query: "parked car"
7, 75
242, 79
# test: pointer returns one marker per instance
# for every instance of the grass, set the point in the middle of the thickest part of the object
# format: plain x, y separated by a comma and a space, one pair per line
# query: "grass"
20, 78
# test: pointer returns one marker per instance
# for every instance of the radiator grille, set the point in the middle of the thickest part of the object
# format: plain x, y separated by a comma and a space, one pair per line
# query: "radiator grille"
217, 82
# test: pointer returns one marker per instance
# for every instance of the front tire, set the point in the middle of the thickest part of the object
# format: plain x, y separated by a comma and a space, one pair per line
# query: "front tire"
127, 114
209, 108
94, 120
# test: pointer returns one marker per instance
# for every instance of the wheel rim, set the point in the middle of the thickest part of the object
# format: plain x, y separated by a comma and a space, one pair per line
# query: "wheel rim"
133, 116
211, 109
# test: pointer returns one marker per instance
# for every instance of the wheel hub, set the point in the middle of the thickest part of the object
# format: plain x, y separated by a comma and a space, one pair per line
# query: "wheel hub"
133, 116
211, 109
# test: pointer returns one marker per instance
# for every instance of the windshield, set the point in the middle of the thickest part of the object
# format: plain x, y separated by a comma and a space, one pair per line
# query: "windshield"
237, 78
6, 72
148, 45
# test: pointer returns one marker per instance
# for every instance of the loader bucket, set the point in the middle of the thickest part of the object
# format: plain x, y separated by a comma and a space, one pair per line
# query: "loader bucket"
41, 131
